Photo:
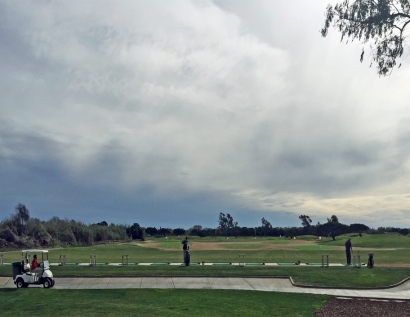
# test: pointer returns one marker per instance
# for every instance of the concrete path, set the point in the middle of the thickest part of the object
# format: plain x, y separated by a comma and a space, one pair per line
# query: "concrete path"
235, 283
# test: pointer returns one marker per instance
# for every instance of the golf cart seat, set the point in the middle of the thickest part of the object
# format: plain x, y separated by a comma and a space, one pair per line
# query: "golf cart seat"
25, 268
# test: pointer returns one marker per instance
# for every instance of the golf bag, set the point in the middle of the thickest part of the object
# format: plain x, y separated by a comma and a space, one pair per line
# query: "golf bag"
370, 261
187, 258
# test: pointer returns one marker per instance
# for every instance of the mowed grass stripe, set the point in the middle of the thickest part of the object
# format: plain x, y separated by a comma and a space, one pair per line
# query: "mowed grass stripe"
164, 302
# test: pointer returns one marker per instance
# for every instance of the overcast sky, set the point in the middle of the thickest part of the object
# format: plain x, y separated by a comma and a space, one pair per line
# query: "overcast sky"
167, 113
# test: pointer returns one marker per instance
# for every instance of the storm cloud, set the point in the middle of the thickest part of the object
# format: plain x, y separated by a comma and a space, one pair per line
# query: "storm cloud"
169, 112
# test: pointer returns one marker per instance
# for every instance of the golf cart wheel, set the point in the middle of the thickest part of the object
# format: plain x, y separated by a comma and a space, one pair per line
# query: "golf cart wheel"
20, 282
53, 282
47, 283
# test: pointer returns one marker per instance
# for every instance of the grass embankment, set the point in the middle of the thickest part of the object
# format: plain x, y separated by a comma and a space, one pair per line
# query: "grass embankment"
174, 302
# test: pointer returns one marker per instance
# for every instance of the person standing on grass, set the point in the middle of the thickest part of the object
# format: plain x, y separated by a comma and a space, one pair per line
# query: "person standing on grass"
184, 247
349, 250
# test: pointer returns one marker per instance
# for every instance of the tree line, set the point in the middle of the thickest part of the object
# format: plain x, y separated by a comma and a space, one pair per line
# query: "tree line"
20, 230
331, 228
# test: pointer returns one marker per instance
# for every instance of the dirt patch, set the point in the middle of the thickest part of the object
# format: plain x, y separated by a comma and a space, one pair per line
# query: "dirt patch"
337, 307
254, 245
212, 246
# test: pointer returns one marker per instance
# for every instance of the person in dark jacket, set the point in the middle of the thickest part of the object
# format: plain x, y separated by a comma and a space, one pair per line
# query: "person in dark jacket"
349, 250
184, 247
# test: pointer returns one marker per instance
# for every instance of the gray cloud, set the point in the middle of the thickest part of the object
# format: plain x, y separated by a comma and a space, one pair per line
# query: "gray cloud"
245, 105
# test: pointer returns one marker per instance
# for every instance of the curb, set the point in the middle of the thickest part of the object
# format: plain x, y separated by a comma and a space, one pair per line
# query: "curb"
351, 288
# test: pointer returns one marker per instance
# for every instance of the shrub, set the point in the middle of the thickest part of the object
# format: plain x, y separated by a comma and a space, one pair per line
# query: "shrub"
8, 235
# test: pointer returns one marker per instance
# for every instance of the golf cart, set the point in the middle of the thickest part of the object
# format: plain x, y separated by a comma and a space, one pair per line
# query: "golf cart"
24, 274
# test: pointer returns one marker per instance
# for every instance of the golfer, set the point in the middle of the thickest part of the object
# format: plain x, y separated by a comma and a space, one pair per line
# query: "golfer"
349, 249
184, 247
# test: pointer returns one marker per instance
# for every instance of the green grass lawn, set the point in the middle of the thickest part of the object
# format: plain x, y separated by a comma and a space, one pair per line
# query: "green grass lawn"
157, 302
387, 240
387, 248
390, 250
318, 276
136, 254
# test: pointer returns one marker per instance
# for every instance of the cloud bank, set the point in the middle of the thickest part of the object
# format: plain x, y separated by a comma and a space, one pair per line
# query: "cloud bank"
186, 99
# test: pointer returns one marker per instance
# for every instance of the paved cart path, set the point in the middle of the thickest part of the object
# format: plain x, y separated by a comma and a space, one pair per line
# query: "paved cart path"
235, 283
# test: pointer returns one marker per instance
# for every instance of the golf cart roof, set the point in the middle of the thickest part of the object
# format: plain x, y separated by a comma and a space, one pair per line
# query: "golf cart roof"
34, 251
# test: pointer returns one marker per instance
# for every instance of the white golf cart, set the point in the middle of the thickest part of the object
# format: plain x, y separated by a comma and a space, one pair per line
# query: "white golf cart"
24, 274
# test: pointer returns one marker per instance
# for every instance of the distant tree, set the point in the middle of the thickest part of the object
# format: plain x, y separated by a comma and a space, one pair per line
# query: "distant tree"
100, 233
8, 235
245, 231
196, 227
266, 223
291, 232
266, 226
136, 232
358, 227
226, 223
381, 22
333, 219
331, 226
196, 230
31, 226
202, 233
83, 234
66, 236
231, 223
223, 222
117, 232
164, 231
103, 224
20, 217
151, 231
404, 232
306, 223
35, 229
179, 231
278, 231
381, 230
